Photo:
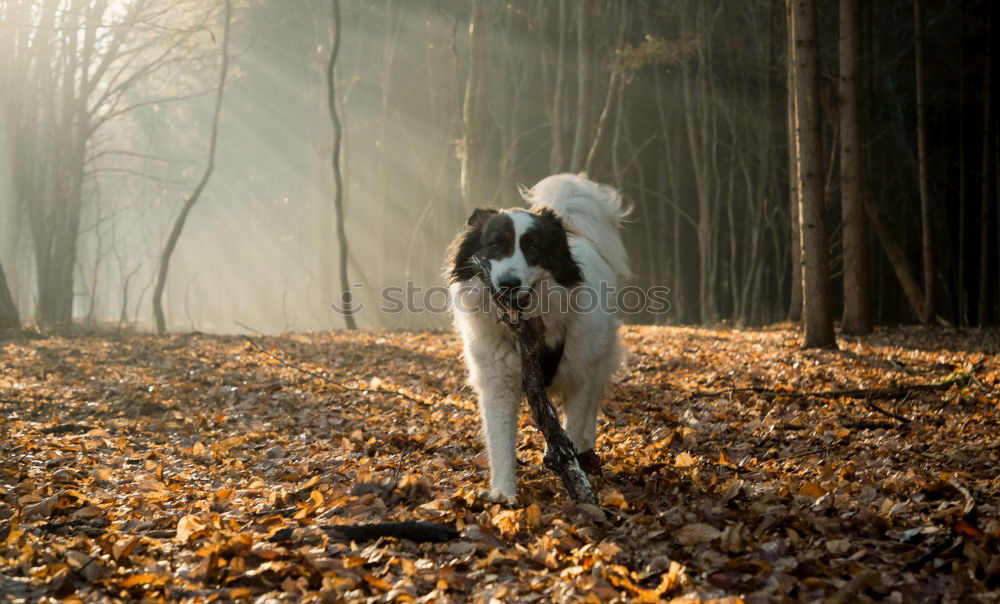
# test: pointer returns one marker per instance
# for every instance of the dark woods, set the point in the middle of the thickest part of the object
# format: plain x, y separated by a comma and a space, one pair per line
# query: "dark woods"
685, 108
447, 106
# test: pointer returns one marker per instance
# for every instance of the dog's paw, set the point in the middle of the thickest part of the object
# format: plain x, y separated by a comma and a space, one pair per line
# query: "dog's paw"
498, 496
590, 462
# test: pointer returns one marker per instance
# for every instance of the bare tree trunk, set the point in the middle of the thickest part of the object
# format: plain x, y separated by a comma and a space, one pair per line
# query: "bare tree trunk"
468, 101
671, 174
669, 177
9, 318
699, 119
857, 317
582, 82
984, 214
346, 306
925, 202
795, 299
817, 324
175, 233
123, 315
962, 315
556, 159
53, 130
378, 209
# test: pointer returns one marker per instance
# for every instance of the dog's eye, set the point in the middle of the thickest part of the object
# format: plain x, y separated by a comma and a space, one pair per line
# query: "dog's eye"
531, 251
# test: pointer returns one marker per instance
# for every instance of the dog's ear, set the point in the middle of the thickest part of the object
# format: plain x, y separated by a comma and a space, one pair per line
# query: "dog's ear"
458, 266
480, 216
550, 217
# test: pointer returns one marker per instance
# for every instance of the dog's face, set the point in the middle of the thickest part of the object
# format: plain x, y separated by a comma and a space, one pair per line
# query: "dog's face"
523, 249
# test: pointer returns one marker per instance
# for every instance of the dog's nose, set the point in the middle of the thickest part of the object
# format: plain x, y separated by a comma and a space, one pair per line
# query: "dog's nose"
509, 284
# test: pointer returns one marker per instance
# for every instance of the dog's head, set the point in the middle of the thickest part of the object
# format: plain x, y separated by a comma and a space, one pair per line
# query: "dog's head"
523, 249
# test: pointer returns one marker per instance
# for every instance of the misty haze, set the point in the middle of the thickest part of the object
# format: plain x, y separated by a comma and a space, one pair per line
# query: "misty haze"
486, 300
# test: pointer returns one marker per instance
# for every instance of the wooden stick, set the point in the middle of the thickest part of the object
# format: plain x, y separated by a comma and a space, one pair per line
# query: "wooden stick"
560, 455
862, 393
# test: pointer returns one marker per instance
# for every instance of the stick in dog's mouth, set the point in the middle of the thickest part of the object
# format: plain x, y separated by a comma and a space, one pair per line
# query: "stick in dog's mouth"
507, 312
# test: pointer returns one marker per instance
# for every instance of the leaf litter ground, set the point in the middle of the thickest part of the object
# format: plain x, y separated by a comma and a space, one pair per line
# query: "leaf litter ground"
205, 468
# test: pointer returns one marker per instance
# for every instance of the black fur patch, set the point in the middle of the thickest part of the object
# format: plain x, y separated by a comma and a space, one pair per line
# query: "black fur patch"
498, 237
547, 245
458, 266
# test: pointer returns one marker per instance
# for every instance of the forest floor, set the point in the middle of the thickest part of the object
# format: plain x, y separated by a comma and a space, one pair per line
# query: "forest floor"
195, 467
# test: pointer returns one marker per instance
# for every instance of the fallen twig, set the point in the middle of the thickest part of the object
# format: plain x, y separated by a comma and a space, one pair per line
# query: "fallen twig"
90, 530
66, 429
809, 452
870, 425
420, 532
943, 545
863, 393
899, 418
969, 501
869, 395
286, 511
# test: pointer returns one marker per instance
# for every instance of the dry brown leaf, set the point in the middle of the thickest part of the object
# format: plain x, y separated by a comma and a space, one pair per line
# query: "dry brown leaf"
533, 516
187, 527
812, 489
684, 460
41, 509
697, 533
614, 498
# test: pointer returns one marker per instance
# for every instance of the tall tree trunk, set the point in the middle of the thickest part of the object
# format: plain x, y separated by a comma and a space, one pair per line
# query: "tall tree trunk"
582, 82
9, 318
795, 298
175, 233
857, 317
51, 149
468, 108
670, 174
985, 284
378, 208
346, 306
962, 313
817, 323
557, 161
927, 239
700, 115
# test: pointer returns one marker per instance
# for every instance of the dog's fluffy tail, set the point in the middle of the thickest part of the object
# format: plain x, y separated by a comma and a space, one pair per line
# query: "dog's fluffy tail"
590, 209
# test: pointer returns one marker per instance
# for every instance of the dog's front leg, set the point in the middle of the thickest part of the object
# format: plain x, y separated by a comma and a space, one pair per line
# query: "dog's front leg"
580, 411
499, 412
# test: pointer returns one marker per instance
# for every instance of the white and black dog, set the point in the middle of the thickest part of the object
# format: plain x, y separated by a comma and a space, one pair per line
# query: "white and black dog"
558, 259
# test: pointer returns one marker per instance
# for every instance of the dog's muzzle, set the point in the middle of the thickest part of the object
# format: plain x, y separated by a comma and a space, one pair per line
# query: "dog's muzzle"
514, 292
